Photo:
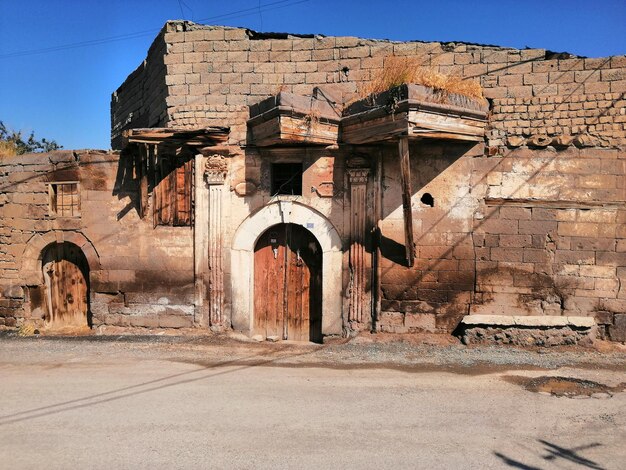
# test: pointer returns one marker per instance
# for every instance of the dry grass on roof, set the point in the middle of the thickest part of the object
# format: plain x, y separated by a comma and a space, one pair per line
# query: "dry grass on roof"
402, 70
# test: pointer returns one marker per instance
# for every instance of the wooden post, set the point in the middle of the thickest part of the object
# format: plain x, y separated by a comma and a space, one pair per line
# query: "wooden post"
142, 174
376, 253
405, 179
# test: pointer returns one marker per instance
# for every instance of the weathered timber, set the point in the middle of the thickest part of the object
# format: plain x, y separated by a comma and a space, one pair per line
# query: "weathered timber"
405, 179
192, 137
416, 111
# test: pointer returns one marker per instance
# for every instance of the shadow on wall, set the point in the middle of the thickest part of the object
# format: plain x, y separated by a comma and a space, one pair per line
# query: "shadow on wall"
165, 173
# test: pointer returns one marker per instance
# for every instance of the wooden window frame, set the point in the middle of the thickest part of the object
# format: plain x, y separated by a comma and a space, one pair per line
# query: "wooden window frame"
173, 194
71, 210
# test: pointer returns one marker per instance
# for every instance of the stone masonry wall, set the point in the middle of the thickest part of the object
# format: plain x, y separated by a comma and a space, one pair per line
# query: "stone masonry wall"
141, 275
141, 100
550, 234
436, 292
531, 222
215, 72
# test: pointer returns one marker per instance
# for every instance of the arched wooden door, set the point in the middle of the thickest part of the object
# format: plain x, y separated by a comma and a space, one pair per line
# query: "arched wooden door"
66, 274
288, 284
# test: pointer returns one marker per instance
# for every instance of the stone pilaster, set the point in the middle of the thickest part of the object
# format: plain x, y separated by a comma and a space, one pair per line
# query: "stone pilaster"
215, 171
359, 305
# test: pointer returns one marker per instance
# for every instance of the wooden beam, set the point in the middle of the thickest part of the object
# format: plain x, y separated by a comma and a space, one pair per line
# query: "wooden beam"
405, 179
142, 175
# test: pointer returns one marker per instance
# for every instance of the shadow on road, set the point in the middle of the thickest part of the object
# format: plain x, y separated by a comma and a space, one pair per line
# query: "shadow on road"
132, 390
554, 453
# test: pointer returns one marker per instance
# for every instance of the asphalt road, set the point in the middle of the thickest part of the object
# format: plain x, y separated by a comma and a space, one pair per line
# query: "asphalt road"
71, 404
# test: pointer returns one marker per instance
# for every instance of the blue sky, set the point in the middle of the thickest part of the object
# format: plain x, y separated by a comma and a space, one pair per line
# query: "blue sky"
64, 94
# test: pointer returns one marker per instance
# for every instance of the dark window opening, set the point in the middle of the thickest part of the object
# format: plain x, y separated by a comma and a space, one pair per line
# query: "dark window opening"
428, 200
287, 179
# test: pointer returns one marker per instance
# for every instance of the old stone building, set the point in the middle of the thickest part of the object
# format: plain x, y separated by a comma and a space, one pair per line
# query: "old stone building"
253, 187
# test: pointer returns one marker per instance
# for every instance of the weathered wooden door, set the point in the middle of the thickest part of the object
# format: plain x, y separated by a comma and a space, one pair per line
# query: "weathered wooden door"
66, 274
288, 284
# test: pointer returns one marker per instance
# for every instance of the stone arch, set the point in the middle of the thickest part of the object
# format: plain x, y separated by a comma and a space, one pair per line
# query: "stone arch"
242, 261
32, 255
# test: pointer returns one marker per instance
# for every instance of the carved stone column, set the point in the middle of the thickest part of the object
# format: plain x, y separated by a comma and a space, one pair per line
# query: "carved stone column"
359, 305
215, 173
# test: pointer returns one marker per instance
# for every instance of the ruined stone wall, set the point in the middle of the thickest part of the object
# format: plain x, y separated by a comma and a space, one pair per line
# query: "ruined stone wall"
141, 100
531, 222
214, 73
140, 275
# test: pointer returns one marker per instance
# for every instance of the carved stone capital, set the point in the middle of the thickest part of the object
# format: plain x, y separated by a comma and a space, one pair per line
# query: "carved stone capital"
358, 175
215, 169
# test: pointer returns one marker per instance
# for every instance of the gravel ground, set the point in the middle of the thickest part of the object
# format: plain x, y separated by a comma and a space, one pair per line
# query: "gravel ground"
426, 352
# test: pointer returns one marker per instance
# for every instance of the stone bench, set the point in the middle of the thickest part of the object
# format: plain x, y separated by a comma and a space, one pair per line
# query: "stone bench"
527, 330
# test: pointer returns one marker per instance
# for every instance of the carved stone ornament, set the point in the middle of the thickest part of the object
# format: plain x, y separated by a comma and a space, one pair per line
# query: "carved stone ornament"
357, 161
215, 169
358, 175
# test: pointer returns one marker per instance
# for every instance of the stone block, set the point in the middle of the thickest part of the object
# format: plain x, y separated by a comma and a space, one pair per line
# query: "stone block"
501, 320
175, 321
540, 320
617, 331
144, 321
420, 322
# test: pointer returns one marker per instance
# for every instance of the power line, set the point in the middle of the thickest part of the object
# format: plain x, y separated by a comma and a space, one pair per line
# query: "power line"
182, 13
123, 37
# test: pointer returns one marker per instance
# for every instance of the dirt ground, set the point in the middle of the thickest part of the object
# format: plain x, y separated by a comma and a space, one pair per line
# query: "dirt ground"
377, 401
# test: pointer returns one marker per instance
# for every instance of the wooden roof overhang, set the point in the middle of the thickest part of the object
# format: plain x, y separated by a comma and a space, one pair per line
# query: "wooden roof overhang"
416, 112
201, 138
287, 119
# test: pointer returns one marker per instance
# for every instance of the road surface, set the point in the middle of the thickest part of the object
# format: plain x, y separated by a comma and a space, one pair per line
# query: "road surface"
111, 404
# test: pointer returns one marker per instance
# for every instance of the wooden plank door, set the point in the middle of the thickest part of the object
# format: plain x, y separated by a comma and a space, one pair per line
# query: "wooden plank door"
288, 284
269, 282
66, 276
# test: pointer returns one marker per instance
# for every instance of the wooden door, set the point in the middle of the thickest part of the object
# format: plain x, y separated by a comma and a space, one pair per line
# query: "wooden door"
288, 284
66, 274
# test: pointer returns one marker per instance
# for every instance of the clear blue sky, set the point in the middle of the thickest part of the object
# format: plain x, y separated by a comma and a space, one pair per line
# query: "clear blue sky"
64, 94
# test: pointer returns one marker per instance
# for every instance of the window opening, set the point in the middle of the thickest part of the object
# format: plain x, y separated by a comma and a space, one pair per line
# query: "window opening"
287, 178
64, 199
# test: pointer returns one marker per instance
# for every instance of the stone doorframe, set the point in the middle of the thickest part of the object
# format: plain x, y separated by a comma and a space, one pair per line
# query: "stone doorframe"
30, 269
242, 262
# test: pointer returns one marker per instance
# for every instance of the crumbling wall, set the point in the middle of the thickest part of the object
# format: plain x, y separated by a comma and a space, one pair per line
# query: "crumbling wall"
531, 222
140, 275
141, 100
214, 73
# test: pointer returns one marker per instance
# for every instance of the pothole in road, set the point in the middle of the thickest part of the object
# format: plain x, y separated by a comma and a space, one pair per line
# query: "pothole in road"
569, 387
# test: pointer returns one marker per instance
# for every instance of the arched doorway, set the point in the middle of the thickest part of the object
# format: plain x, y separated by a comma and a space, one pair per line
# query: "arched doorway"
288, 284
66, 277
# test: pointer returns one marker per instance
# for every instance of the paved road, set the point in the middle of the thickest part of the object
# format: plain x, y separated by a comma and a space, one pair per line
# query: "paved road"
67, 405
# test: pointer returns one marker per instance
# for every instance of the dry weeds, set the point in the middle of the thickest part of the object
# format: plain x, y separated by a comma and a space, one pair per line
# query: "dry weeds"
7, 149
403, 70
